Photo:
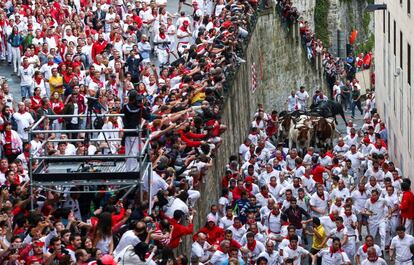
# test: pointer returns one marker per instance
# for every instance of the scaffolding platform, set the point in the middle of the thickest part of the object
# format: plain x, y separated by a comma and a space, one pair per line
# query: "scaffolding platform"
55, 172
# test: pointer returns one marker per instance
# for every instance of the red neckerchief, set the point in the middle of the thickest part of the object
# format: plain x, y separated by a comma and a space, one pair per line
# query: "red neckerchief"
274, 212
332, 251
306, 176
339, 228
162, 35
348, 215
185, 29
22, 112
332, 217
251, 246
38, 80
265, 194
365, 248
249, 189
25, 66
50, 63
373, 200
377, 146
321, 196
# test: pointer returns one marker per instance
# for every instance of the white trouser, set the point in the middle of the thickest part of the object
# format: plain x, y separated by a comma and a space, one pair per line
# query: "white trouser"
408, 223
393, 222
9, 54
380, 227
131, 149
350, 247
16, 59
162, 56
3, 47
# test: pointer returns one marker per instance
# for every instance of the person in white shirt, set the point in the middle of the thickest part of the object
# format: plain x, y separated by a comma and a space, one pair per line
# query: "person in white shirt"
131, 237
295, 252
362, 252
333, 255
221, 255
178, 203
302, 97
292, 102
26, 72
201, 248
24, 120
227, 220
319, 202
213, 214
254, 246
270, 254
373, 258
377, 211
400, 246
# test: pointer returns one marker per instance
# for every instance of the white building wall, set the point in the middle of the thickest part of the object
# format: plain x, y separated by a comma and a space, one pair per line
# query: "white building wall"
394, 94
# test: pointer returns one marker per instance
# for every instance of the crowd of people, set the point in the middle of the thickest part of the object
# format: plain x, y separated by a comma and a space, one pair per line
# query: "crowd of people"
166, 71
169, 71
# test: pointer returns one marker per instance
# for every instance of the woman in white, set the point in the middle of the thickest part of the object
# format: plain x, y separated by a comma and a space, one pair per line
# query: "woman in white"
109, 19
102, 236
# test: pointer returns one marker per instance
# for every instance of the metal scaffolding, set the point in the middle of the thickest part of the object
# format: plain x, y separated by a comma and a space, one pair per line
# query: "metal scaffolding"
59, 172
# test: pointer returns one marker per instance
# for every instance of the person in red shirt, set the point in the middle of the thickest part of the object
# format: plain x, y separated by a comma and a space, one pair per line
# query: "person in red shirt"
317, 170
407, 206
178, 230
99, 46
212, 231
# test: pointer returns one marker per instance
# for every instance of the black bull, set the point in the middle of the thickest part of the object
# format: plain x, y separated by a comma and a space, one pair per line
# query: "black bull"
328, 109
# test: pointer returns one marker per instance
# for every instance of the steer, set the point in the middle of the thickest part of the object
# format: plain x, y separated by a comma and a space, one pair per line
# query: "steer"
300, 133
325, 131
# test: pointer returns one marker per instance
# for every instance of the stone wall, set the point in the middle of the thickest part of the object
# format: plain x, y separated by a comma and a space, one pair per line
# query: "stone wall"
277, 56
343, 15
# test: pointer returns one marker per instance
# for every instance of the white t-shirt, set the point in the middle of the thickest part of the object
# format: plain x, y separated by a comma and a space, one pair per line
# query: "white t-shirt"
336, 258
23, 121
363, 255
295, 254
402, 247
128, 238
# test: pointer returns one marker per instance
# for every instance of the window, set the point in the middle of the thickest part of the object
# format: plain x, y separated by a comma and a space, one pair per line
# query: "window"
389, 27
409, 64
383, 21
401, 49
395, 38
409, 7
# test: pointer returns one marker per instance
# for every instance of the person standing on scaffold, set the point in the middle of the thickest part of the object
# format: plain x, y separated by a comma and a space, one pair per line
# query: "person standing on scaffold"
134, 112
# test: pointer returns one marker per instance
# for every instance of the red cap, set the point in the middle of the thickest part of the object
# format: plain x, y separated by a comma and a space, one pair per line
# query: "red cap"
186, 23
